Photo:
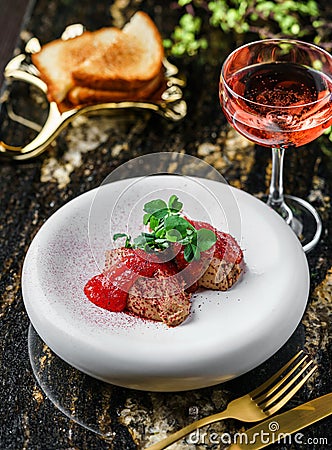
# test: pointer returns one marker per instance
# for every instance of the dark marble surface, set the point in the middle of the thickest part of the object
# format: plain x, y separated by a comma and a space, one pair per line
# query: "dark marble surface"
82, 157
17, 11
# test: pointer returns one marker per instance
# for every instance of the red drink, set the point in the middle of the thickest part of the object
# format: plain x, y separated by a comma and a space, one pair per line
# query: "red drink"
278, 104
278, 93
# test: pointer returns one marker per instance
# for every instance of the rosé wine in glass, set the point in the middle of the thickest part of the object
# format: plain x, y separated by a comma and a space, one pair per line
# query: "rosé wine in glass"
277, 93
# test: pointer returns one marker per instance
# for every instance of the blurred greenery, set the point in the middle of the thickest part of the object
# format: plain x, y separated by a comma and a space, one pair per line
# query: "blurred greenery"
263, 18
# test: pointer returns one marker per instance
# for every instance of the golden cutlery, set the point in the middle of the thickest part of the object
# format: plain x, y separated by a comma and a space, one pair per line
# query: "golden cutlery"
260, 403
282, 425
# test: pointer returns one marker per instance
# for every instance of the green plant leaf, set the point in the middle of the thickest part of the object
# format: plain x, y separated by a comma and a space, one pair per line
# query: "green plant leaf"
119, 235
128, 243
154, 222
173, 235
174, 204
178, 223
160, 233
205, 239
140, 241
168, 226
146, 218
265, 18
188, 253
160, 213
154, 205
197, 253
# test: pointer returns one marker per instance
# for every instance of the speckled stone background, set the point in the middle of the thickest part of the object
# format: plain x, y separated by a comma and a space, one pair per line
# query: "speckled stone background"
81, 158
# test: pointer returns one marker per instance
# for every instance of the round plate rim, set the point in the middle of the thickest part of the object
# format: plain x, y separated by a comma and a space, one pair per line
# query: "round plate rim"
184, 372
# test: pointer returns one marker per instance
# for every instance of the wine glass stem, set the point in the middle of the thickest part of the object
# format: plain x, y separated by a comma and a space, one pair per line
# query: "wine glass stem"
276, 192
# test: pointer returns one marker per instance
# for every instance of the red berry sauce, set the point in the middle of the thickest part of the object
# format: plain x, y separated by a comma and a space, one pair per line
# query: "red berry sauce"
109, 290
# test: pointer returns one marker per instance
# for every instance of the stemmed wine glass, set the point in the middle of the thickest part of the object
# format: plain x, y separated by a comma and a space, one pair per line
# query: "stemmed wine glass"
278, 94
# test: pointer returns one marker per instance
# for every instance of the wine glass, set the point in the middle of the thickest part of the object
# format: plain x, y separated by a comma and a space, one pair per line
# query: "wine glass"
277, 93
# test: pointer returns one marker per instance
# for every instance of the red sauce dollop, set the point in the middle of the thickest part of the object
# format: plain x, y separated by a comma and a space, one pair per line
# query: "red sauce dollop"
109, 290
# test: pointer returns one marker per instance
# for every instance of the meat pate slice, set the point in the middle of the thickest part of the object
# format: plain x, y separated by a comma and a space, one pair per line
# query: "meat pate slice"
225, 261
161, 297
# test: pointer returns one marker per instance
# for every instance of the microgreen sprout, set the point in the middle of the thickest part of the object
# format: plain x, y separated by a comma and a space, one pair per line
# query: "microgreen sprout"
166, 227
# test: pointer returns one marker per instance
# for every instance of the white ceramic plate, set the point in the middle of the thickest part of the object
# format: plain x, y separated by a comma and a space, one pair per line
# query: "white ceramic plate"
226, 334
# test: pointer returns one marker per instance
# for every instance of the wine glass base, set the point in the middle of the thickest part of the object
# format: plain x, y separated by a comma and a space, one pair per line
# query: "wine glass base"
305, 222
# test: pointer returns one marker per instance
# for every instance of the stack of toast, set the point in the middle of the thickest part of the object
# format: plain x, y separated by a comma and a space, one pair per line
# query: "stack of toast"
107, 65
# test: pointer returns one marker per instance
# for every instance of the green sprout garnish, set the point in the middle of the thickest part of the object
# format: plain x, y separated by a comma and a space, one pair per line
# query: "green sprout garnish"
167, 227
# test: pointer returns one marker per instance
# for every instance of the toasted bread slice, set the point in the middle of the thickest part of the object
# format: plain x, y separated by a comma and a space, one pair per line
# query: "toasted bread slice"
133, 60
80, 95
58, 58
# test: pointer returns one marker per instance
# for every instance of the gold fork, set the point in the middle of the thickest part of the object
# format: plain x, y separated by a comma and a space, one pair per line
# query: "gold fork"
260, 403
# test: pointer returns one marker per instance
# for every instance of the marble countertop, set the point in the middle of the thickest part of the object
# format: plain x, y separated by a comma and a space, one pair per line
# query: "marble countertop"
46, 404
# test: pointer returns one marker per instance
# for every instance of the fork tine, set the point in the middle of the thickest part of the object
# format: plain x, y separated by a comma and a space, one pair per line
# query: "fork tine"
262, 388
283, 380
287, 397
281, 391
